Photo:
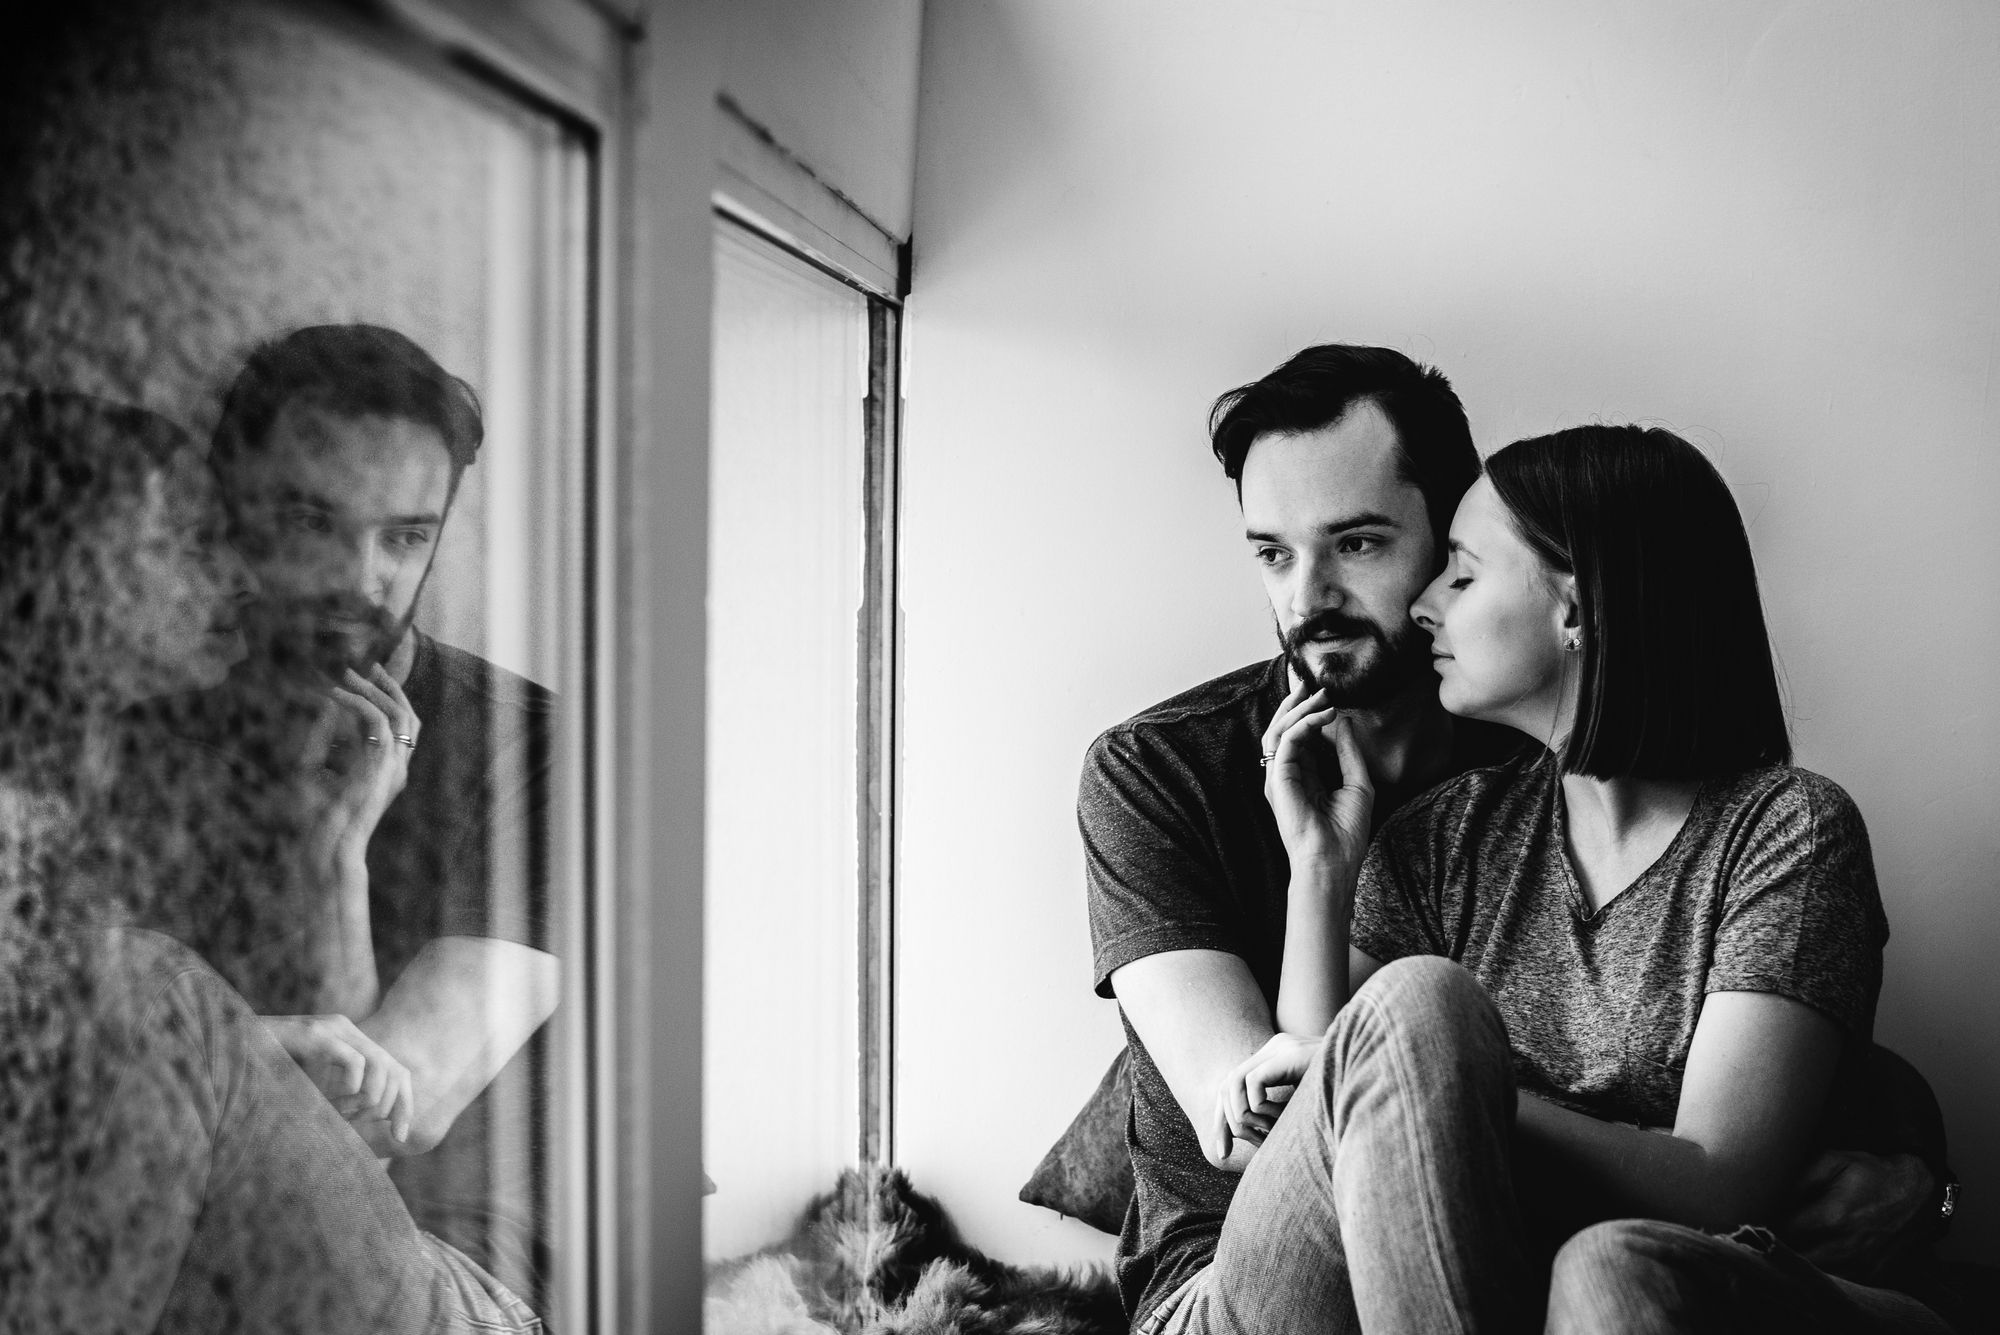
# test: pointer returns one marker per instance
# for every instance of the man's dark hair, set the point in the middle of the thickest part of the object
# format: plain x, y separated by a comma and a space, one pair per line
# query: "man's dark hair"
353, 370
1316, 388
1677, 677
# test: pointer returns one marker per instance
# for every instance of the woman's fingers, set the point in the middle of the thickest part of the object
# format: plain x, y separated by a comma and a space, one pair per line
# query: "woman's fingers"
403, 1108
1219, 1133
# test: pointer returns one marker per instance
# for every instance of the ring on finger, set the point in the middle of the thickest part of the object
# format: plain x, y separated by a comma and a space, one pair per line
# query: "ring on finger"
407, 740
373, 740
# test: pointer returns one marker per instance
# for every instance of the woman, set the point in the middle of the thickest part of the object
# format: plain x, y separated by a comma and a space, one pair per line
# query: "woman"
1617, 978
166, 1164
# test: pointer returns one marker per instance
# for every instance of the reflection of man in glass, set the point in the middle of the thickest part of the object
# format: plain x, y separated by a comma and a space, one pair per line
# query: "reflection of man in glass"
340, 449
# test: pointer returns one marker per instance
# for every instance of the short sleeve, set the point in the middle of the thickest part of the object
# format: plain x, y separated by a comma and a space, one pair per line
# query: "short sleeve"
1152, 875
1396, 898
495, 874
496, 877
1801, 913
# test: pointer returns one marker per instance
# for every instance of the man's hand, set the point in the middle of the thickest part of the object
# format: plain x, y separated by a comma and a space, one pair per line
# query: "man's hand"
1252, 1095
356, 759
1859, 1215
1317, 784
358, 1076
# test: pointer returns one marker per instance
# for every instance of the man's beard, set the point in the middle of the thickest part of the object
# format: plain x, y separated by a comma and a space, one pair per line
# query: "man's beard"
1372, 670
328, 635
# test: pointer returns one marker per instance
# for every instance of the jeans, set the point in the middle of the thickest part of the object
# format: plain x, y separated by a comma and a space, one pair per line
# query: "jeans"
1383, 1201
1645, 1277
185, 1175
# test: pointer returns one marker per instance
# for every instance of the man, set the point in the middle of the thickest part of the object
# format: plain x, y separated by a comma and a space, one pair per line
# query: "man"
1349, 463
417, 773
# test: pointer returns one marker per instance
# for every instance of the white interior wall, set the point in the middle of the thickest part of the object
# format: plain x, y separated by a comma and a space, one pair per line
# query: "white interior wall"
1765, 224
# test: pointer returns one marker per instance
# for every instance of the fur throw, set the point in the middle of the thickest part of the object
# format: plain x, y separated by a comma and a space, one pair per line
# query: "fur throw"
872, 1257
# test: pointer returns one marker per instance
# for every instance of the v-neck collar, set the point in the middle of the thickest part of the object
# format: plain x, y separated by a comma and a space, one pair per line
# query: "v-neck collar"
1579, 902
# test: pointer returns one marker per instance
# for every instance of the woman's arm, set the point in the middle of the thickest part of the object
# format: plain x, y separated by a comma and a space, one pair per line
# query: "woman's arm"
1758, 1074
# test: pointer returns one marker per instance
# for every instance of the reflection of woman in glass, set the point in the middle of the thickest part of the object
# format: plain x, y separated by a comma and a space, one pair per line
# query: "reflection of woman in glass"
166, 1164
1617, 979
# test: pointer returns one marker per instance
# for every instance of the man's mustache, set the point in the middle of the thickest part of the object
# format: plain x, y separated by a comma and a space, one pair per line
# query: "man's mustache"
1329, 623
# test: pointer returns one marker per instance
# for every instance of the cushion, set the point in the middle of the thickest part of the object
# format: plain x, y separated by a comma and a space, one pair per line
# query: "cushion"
1087, 1174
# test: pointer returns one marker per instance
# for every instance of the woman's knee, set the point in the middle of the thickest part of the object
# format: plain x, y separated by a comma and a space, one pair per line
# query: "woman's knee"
1615, 1278
1427, 991
1426, 1008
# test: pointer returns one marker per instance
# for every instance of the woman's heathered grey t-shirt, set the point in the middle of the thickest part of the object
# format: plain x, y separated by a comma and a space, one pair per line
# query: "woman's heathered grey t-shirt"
1768, 887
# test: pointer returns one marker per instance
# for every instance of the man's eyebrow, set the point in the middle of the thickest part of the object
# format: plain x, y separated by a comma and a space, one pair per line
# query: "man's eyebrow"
412, 521
1366, 519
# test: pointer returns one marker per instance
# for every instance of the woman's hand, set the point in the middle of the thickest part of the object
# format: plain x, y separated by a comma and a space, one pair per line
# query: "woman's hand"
359, 1077
1317, 784
1251, 1097
356, 759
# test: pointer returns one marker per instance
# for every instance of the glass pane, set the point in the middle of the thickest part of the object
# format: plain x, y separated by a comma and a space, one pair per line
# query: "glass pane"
291, 360
785, 584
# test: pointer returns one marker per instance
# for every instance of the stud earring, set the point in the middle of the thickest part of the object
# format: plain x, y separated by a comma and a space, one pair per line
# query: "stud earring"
1573, 644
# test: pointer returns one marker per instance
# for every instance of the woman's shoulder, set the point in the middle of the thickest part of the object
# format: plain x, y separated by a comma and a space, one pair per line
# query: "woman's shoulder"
1781, 814
1788, 795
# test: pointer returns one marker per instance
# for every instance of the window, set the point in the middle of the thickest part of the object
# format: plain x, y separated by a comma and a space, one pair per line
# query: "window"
801, 502
330, 280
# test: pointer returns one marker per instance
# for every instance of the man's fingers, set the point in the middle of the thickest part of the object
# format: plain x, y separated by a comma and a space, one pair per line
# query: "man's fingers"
319, 739
1353, 767
1299, 701
405, 713
366, 713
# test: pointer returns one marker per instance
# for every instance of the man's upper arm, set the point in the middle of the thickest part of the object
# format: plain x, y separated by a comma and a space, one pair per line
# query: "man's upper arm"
1199, 1013
1154, 877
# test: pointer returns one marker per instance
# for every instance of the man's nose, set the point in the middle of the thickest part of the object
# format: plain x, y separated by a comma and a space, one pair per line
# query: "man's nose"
1318, 589
360, 566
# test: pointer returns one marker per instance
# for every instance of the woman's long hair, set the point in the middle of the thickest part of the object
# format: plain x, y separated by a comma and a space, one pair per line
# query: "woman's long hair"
71, 467
1677, 677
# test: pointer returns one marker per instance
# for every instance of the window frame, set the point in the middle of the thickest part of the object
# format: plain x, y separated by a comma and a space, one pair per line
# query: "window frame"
571, 61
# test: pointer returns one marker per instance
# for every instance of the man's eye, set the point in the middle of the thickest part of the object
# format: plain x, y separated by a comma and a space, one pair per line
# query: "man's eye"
1270, 556
1356, 543
409, 539
308, 521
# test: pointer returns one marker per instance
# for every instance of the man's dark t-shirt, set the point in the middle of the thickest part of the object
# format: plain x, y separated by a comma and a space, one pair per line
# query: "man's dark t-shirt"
1181, 852
464, 851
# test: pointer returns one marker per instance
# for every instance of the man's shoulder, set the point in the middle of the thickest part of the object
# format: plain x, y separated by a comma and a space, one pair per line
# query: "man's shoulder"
461, 677
1475, 791
1205, 714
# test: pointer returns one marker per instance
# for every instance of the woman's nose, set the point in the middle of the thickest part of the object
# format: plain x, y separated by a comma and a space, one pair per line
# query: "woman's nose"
237, 577
1426, 610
